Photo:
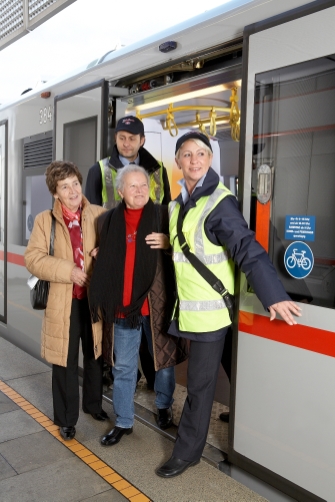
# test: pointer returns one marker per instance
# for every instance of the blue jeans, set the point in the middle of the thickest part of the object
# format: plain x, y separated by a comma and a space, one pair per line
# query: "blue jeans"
126, 347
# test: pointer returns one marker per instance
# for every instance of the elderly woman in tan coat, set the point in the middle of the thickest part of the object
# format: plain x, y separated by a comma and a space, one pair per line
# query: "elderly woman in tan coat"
67, 316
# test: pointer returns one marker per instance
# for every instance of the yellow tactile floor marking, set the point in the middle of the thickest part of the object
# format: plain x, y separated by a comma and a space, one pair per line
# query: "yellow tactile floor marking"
107, 473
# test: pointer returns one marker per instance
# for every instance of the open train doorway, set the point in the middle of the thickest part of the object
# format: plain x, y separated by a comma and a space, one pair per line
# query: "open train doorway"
209, 103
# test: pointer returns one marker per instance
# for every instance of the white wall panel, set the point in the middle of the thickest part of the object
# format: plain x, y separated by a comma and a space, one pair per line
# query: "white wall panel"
285, 414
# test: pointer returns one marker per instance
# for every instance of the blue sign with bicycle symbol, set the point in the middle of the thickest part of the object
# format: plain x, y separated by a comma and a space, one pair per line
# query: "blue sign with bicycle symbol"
298, 260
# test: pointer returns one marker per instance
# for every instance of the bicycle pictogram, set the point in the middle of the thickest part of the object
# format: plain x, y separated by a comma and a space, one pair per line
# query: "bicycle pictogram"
298, 259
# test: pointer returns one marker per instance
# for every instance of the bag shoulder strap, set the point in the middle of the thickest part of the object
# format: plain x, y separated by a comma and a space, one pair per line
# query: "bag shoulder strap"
52, 234
204, 271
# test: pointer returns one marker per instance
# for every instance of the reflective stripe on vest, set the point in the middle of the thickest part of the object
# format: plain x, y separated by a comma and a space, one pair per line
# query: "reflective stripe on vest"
196, 297
157, 185
110, 196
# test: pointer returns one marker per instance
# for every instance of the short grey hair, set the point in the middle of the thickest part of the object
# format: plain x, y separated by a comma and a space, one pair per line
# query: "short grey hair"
130, 168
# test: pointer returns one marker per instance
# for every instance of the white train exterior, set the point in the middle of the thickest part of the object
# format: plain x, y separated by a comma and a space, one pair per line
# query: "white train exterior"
280, 55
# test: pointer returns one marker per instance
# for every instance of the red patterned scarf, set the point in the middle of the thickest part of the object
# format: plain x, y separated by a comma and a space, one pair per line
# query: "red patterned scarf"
73, 223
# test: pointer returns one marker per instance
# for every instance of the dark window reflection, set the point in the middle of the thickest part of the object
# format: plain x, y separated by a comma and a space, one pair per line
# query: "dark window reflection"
294, 133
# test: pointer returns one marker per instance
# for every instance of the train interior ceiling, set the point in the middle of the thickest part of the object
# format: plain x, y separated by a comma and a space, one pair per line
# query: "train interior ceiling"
198, 100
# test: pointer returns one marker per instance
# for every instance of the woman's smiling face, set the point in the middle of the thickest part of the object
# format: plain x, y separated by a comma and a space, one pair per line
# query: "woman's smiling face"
69, 193
135, 190
194, 161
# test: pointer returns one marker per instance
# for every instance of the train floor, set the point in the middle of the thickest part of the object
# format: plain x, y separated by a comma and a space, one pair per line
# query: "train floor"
37, 465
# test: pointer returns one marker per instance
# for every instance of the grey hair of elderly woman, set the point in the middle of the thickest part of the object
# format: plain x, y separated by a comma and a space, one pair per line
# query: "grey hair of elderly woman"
130, 168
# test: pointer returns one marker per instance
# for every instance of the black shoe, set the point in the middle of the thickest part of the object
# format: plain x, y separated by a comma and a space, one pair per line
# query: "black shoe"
114, 436
67, 433
174, 466
164, 418
101, 417
224, 416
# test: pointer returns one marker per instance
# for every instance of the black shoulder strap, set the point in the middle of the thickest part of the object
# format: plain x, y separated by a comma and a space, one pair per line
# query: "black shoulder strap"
52, 234
207, 274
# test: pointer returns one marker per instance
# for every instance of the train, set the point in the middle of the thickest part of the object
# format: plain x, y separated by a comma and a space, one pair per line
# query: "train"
256, 76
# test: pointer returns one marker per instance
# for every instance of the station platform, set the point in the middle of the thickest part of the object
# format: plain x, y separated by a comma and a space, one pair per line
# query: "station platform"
37, 465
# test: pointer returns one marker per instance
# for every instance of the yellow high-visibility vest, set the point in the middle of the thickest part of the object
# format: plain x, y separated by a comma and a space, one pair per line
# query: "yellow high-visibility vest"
201, 308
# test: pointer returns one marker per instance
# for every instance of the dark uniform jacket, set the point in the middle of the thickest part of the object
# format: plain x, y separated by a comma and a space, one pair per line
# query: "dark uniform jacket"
93, 189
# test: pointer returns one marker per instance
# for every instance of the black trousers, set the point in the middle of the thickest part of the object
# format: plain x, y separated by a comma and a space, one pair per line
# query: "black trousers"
226, 354
65, 383
203, 366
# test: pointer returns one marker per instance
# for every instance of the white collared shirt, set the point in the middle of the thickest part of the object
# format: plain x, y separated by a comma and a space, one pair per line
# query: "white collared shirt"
125, 161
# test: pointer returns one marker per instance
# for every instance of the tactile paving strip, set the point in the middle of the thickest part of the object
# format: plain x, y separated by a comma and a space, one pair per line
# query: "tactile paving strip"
120, 484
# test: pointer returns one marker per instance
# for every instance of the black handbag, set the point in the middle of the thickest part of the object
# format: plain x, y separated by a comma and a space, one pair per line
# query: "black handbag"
203, 270
40, 292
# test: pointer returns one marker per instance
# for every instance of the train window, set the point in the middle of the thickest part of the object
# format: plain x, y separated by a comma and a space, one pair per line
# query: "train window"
37, 199
80, 143
294, 131
37, 155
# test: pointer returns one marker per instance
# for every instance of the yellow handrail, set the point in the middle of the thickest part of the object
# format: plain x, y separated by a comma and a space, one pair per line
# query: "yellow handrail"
233, 117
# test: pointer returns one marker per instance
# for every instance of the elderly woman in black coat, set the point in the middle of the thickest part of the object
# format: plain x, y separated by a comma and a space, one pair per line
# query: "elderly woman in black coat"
132, 289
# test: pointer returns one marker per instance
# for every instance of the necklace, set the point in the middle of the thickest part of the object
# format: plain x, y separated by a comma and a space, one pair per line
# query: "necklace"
132, 237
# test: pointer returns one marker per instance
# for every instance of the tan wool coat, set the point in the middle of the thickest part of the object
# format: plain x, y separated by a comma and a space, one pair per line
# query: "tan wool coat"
57, 269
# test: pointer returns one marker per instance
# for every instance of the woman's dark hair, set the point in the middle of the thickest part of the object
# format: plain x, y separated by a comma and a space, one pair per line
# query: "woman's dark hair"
60, 170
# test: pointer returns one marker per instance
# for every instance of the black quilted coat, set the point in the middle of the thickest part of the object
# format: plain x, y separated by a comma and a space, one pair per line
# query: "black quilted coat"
168, 350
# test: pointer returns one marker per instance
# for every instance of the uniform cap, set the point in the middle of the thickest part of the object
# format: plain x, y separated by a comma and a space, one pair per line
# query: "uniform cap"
130, 124
193, 135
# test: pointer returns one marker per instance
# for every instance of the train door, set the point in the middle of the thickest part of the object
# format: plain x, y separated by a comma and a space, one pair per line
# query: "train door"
81, 119
3, 219
284, 415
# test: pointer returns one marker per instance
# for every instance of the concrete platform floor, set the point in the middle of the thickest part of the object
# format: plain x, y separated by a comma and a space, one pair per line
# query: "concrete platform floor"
37, 465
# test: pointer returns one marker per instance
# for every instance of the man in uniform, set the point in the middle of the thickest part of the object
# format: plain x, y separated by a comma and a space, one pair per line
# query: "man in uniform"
128, 148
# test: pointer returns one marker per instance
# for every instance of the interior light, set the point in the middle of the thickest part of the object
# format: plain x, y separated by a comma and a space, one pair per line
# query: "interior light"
181, 97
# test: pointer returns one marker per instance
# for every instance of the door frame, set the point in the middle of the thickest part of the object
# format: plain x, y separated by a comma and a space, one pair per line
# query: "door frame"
104, 112
3, 318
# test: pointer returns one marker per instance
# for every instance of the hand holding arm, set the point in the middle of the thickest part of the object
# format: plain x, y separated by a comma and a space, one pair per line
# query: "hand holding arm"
158, 241
285, 309
79, 277
94, 252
